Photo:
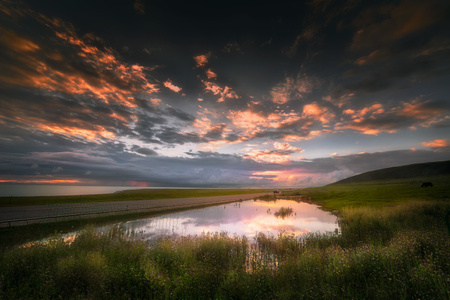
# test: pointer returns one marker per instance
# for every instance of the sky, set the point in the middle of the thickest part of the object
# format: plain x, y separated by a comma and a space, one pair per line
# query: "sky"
220, 93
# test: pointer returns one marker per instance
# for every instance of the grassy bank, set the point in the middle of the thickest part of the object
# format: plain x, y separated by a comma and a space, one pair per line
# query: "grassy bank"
401, 252
386, 251
128, 195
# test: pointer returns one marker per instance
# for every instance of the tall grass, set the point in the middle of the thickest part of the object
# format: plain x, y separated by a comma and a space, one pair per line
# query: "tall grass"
400, 252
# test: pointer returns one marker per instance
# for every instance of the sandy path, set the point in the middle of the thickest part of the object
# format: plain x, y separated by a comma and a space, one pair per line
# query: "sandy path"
22, 215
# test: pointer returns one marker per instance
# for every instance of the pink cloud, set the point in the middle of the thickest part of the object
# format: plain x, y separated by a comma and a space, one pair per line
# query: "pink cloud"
138, 183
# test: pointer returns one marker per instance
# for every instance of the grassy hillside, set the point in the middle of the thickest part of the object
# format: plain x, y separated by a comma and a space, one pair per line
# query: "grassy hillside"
439, 171
376, 195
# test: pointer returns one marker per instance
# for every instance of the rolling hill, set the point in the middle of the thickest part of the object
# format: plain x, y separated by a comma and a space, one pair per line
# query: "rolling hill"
423, 171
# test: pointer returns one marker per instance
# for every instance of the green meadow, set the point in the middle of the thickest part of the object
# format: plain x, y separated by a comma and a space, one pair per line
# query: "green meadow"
394, 244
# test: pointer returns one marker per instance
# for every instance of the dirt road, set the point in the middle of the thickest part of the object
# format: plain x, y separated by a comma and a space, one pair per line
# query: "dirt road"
22, 215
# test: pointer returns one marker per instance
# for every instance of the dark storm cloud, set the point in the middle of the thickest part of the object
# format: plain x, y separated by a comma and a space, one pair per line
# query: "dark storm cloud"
208, 157
388, 76
180, 114
383, 24
172, 136
396, 39
146, 151
197, 170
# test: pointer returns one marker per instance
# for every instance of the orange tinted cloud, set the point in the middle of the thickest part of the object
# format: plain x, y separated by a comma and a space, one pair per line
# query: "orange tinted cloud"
168, 84
224, 92
319, 113
269, 156
201, 60
155, 101
426, 113
437, 144
17, 43
372, 110
247, 119
287, 126
419, 110
375, 119
107, 79
90, 135
284, 177
286, 147
210, 74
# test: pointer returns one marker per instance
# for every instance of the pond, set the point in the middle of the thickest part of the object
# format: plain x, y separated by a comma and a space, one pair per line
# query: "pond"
239, 218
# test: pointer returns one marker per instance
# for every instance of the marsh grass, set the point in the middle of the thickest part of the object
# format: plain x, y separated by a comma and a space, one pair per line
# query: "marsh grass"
399, 252
284, 212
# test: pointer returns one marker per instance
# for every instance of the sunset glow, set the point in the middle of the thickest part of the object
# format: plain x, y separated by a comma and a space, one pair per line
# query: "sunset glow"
296, 94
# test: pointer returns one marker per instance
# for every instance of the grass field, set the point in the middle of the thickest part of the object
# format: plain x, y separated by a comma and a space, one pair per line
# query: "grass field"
128, 195
395, 244
377, 193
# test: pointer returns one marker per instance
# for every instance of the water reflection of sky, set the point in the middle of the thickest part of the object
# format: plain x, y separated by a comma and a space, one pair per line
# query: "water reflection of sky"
240, 218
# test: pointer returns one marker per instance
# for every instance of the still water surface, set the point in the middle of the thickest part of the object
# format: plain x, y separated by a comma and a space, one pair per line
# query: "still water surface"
241, 218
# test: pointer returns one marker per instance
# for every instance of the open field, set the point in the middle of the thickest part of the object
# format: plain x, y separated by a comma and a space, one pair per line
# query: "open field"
390, 247
128, 195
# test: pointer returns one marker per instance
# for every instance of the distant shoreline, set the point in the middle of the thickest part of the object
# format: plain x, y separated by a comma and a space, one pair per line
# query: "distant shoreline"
45, 190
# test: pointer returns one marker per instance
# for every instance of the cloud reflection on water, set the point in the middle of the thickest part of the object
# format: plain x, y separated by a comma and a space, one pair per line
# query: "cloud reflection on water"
240, 218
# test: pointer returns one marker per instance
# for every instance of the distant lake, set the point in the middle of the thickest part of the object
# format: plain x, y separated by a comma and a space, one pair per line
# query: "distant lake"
28, 190
240, 218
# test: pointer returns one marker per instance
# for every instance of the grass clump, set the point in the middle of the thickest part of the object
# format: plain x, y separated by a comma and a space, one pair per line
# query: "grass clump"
284, 212
400, 252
